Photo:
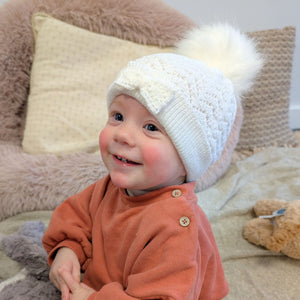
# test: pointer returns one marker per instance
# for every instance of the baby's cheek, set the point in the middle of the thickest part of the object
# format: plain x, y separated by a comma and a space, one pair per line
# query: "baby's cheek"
152, 155
103, 140
157, 162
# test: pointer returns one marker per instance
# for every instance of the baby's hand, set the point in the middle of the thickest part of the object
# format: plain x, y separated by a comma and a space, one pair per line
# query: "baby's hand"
65, 259
78, 291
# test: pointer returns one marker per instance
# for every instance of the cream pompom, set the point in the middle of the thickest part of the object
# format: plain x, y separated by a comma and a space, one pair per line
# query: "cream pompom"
226, 48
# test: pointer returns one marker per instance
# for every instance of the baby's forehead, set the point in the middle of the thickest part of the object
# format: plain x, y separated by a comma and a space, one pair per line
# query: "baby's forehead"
123, 97
130, 103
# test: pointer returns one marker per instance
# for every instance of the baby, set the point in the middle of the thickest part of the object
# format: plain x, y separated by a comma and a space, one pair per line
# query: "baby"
138, 233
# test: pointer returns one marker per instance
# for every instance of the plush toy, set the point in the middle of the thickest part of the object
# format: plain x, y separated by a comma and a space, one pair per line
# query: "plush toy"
277, 227
26, 248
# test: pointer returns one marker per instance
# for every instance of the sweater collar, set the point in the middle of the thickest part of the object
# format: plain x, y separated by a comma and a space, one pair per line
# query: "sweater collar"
160, 194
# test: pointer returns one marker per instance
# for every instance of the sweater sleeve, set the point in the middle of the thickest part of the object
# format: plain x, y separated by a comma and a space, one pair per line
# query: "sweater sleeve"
170, 264
70, 226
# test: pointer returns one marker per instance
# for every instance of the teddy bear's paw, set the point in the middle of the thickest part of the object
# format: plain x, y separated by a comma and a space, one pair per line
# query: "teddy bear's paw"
284, 232
276, 244
292, 249
258, 231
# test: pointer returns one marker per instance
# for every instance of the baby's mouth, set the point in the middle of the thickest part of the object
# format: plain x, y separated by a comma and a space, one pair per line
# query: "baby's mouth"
127, 161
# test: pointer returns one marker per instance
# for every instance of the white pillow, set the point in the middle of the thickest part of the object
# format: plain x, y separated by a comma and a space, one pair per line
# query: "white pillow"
70, 75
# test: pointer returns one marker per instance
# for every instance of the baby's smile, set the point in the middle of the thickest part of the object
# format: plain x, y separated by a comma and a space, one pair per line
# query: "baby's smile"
125, 160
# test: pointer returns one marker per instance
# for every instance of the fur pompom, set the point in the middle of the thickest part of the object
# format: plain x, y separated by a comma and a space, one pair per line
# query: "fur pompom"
226, 48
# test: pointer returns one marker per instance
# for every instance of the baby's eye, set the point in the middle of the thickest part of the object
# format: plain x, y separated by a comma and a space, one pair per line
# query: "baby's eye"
151, 127
118, 117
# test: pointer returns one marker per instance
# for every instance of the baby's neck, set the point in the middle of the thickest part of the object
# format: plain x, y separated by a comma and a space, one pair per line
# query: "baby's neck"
135, 192
129, 192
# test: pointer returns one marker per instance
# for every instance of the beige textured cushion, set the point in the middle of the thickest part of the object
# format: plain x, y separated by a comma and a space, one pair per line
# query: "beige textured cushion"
71, 72
266, 105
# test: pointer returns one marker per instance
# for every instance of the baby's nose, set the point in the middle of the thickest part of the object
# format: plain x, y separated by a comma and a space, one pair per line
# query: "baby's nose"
125, 136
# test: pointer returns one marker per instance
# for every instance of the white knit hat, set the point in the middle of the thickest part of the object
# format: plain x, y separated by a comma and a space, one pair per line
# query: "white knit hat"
194, 102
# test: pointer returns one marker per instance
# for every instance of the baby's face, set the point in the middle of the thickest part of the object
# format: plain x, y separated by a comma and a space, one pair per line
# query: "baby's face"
136, 150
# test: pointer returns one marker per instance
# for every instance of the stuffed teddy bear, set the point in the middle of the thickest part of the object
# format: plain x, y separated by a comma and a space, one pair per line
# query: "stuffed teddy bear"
277, 227
25, 247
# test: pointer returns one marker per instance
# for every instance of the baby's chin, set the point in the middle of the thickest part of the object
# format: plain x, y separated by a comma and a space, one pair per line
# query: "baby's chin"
123, 184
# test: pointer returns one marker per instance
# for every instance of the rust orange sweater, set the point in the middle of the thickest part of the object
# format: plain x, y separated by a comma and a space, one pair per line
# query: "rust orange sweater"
156, 246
